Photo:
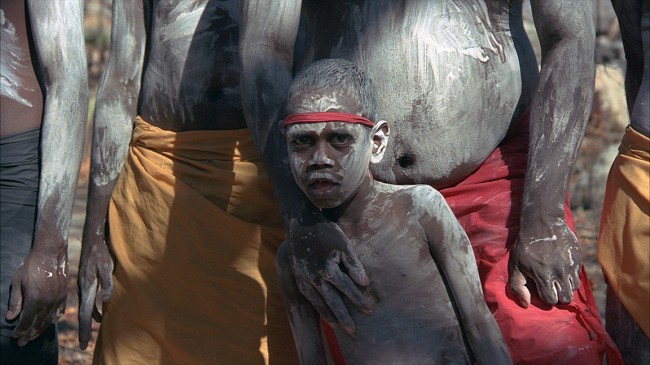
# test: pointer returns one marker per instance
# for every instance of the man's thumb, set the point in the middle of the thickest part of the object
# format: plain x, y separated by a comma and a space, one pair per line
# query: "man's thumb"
518, 286
15, 301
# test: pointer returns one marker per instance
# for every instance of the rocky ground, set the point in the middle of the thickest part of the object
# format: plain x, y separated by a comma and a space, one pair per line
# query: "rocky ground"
587, 183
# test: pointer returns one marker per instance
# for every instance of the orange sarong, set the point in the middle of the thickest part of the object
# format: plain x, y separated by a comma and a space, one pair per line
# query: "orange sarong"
624, 238
194, 227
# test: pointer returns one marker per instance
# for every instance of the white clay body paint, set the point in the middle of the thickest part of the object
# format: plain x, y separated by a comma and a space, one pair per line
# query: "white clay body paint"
433, 38
546, 239
13, 59
113, 145
346, 170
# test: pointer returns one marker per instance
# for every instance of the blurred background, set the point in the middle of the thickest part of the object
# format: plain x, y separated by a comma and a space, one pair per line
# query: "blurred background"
599, 147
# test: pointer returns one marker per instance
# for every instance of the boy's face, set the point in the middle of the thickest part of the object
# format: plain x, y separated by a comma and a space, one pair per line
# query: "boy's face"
329, 160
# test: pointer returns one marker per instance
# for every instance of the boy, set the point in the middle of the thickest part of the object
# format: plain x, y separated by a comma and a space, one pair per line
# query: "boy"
428, 302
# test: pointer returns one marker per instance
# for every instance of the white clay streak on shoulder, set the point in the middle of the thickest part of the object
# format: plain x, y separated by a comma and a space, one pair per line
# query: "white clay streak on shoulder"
12, 60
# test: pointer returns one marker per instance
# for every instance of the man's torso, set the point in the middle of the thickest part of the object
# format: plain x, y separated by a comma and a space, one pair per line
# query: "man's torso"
449, 76
21, 96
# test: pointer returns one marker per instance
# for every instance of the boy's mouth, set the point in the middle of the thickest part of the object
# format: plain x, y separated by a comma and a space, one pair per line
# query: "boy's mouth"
321, 187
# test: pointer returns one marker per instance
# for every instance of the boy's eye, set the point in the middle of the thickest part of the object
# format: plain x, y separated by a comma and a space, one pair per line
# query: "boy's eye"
340, 139
302, 141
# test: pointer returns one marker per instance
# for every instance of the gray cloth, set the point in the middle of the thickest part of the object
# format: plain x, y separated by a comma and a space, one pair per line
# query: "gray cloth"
626, 333
19, 171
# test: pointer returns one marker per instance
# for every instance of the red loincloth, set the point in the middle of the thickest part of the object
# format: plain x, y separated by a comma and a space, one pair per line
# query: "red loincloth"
487, 204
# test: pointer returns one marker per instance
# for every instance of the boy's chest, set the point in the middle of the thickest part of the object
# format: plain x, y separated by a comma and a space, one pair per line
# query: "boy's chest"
397, 259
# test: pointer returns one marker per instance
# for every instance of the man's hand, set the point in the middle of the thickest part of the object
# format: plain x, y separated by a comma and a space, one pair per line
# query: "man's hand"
316, 254
95, 270
551, 257
38, 293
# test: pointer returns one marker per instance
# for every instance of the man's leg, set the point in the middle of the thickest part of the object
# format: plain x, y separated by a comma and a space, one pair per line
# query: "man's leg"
626, 333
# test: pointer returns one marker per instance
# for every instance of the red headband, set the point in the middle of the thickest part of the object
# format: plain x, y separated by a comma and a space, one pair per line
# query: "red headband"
317, 117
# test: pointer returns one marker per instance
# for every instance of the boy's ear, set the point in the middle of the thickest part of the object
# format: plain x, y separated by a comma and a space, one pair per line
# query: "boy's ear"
379, 133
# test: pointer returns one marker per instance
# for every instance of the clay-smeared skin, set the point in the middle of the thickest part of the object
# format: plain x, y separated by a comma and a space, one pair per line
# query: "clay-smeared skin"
425, 288
635, 24
176, 63
58, 59
452, 76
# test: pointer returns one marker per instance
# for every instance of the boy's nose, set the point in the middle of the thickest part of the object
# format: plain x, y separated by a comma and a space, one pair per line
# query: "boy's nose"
320, 157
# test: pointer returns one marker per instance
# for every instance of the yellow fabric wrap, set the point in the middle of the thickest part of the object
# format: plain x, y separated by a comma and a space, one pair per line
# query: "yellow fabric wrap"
624, 239
194, 227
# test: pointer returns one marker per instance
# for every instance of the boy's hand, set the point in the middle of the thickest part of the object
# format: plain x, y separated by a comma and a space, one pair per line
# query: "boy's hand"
316, 254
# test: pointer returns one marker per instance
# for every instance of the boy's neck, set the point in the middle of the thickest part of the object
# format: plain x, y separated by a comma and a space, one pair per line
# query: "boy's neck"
352, 210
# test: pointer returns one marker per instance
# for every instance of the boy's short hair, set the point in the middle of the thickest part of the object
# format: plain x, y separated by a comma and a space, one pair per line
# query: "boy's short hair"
336, 74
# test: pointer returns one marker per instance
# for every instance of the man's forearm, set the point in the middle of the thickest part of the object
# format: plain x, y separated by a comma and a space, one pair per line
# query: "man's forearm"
61, 53
559, 115
111, 135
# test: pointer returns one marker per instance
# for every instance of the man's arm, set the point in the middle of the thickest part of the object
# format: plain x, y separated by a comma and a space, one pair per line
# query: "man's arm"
453, 253
39, 286
303, 317
547, 250
266, 51
115, 111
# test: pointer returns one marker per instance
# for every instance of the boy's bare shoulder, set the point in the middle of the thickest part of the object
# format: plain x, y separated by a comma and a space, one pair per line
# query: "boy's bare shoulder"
419, 196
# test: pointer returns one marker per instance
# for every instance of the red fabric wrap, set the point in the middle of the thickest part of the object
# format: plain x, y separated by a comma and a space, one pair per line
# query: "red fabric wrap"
487, 204
318, 117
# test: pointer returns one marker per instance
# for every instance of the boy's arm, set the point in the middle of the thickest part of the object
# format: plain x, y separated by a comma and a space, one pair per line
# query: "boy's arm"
113, 122
266, 51
453, 253
39, 286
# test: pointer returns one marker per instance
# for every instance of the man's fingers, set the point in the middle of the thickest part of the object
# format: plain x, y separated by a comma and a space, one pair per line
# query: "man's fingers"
564, 291
15, 299
87, 294
316, 299
343, 283
355, 269
518, 287
30, 324
106, 280
574, 278
333, 299
548, 290
97, 315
